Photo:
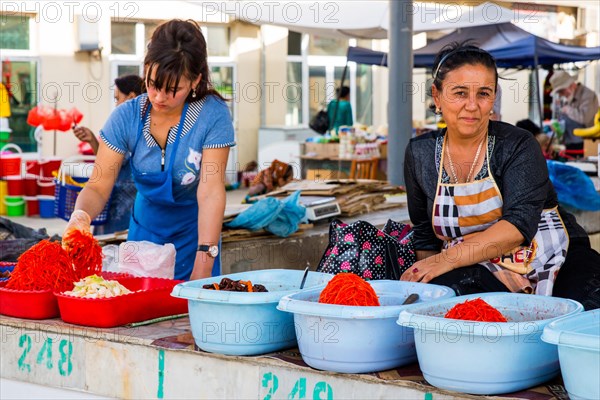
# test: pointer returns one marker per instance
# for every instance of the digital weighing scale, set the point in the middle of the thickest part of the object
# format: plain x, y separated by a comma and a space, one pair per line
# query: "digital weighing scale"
318, 207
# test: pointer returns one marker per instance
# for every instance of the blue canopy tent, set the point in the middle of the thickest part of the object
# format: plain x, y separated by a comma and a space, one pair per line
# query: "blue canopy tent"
366, 56
511, 46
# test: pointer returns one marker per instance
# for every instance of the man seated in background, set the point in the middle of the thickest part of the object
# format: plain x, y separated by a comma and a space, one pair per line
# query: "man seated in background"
579, 104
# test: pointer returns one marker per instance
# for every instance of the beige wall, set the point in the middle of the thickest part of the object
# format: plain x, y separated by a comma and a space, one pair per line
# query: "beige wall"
276, 49
246, 52
515, 100
84, 82
76, 88
79, 79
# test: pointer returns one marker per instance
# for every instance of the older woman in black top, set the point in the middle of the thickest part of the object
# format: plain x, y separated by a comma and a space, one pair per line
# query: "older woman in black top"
485, 214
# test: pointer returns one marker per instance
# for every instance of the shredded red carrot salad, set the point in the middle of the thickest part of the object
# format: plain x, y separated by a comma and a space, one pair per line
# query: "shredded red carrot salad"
349, 289
45, 266
85, 252
475, 310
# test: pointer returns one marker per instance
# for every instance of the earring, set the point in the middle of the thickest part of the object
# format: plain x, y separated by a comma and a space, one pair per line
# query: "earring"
492, 112
194, 93
438, 111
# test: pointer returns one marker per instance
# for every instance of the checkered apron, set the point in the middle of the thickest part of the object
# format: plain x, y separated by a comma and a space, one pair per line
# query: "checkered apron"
461, 210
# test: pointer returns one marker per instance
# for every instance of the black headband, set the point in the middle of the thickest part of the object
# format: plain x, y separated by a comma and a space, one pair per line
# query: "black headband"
460, 50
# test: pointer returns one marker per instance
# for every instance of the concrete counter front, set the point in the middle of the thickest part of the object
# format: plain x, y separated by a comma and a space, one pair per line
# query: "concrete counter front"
159, 361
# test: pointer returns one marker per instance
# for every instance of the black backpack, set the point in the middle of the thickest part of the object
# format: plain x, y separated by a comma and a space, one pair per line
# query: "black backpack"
320, 122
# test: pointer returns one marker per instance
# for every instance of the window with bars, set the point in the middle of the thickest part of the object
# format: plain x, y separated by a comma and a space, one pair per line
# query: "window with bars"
314, 70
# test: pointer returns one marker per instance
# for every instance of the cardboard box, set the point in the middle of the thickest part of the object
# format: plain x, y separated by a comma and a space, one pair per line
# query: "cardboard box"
321, 175
324, 150
591, 147
383, 150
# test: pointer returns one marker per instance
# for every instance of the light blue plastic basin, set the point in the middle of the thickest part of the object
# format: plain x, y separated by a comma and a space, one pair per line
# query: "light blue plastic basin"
357, 339
578, 340
487, 357
237, 323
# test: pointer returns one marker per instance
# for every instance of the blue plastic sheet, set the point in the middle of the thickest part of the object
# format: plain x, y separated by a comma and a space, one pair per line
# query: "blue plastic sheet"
280, 217
573, 187
288, 220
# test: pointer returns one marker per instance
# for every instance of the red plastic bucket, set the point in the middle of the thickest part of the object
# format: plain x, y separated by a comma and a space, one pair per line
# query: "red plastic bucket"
15, 185
48, 166
32, 167
30, 185
33, 206
45, 186
10, 163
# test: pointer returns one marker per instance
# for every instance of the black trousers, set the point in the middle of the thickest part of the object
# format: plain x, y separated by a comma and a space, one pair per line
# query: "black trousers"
470, 280
578, 278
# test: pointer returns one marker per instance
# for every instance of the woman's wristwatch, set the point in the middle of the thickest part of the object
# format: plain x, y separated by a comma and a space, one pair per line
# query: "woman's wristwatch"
211, 249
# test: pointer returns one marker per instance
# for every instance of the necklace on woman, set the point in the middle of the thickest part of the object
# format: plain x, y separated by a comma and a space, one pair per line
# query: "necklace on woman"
453, 172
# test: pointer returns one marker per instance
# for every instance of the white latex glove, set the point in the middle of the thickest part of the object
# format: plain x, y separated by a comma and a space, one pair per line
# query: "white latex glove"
80, 220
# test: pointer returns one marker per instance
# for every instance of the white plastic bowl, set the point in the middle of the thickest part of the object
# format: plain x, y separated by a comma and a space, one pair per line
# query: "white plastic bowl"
487, 357
578, 340
353, 339
235, 323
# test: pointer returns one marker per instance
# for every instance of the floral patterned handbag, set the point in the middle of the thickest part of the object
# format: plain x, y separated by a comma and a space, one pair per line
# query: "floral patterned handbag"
367, 251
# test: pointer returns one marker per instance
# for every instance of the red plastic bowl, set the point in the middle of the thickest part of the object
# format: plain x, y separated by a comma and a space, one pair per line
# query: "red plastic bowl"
151, 298
29, 304
34, 304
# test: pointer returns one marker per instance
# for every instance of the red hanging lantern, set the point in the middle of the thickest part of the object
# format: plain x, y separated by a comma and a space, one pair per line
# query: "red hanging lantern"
66, 121
51, 122
52, 119
76, 115
33, 117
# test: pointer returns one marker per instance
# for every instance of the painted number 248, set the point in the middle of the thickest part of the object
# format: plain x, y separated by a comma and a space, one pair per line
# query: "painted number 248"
44, 356
322, 390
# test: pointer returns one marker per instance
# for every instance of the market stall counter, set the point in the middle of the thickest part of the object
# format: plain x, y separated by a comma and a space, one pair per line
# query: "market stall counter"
265, 252
295, 251
160, 361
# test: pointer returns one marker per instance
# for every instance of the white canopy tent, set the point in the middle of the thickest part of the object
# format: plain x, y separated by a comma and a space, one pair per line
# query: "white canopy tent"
356, 19
395, 20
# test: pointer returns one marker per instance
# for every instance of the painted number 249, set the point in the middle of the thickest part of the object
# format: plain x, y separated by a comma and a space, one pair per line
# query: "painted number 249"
322, 390
44, 356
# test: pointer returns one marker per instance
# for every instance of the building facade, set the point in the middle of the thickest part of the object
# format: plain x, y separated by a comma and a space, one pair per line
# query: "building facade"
67, 54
